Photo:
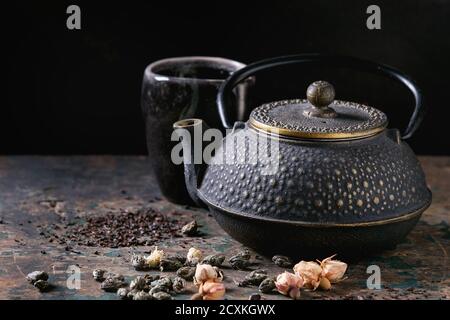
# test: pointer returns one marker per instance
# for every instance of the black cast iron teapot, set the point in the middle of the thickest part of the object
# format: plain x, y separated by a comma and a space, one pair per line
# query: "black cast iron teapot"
312, 177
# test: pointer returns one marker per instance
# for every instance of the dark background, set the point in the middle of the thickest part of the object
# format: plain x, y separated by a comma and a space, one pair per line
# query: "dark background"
78, 92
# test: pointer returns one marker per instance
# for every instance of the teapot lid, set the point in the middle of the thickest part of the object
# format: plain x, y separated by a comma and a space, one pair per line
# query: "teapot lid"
318, 117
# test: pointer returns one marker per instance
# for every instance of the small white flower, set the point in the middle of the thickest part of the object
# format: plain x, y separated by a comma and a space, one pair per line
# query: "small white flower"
154, 258
194, 256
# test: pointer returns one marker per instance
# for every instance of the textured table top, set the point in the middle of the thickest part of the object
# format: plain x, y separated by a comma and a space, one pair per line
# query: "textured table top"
96, 185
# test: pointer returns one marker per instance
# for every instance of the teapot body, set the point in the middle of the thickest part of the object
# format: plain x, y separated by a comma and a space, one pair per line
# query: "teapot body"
312, 177
355, 181
352, 197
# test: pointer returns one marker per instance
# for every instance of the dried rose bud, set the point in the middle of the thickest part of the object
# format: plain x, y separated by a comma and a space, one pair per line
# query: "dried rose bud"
333, 270
205, 272
194, 256
211, 290
325, 284
310, 272
295, 293
154, 258
289, 284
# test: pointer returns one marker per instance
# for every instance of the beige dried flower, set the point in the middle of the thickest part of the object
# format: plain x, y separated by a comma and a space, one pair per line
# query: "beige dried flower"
289, 284
205, 272
310, 272
325, 284
154, 258
194, 256
212, 290
333, 270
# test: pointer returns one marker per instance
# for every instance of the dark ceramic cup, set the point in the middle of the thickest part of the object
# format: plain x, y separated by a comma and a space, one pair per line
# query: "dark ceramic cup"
178, 88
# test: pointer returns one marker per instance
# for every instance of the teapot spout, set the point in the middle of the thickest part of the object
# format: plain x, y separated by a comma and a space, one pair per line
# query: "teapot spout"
190, 132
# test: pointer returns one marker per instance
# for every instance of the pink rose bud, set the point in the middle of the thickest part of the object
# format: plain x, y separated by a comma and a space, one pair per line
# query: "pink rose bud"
211, 290
289, 284
310, 272
333, 270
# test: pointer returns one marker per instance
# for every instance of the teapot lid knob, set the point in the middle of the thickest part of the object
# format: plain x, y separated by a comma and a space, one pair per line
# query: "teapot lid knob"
320, 94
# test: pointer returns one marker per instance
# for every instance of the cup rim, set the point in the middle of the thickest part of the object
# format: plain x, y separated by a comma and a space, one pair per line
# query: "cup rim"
153, 70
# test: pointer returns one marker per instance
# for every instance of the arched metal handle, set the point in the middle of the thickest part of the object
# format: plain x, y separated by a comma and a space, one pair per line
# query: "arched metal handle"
223, 97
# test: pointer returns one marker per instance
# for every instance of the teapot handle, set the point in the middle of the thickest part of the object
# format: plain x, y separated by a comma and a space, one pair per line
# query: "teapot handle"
223, 97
